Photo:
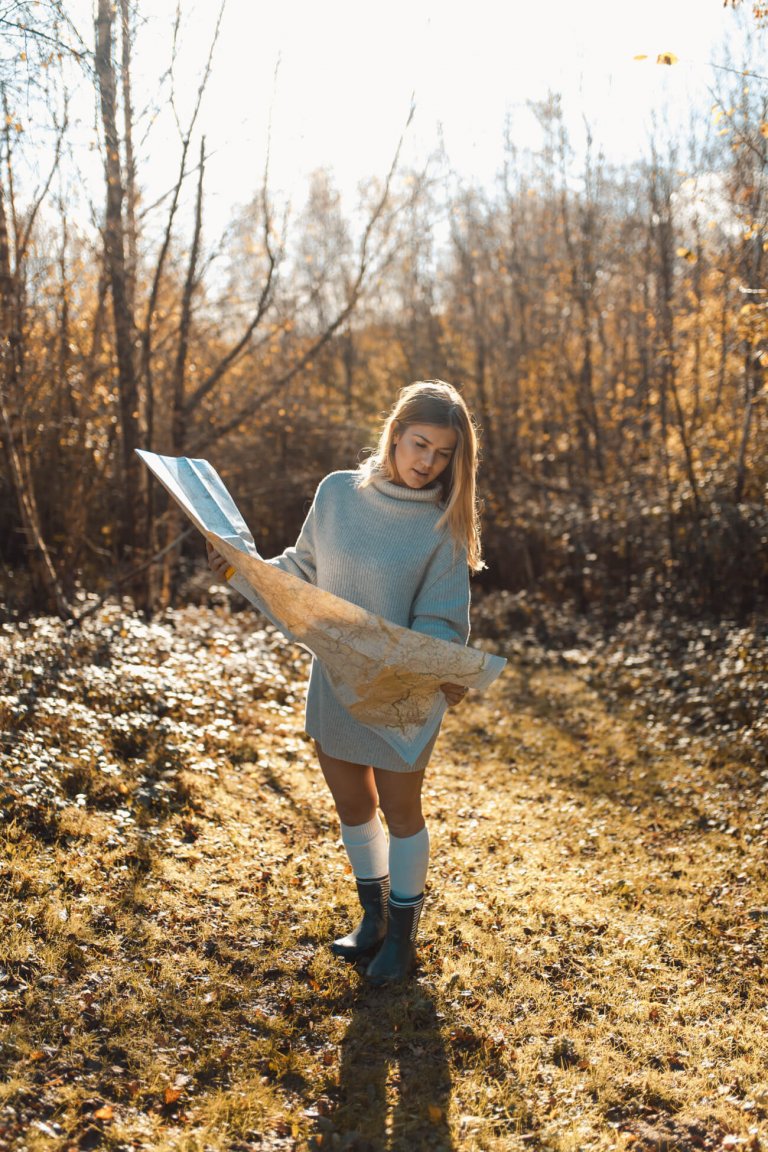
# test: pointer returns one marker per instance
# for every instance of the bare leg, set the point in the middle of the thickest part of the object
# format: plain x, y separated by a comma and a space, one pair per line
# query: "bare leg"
352, 786
354, 792
400, 800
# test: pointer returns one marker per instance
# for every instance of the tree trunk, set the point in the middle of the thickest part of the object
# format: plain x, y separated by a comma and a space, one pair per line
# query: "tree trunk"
751, 392
44, 577
134, 486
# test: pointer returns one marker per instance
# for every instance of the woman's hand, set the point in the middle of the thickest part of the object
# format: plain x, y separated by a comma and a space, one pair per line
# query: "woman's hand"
217, 562
454, 693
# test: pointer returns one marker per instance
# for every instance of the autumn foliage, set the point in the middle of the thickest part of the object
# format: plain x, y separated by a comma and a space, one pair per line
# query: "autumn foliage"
592, 952
607, 325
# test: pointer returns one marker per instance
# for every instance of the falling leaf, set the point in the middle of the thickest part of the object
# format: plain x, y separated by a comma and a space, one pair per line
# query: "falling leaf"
640, 56
666, 58
435, 1113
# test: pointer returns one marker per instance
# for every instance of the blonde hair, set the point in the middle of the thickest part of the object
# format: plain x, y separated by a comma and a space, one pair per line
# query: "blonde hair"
435, 402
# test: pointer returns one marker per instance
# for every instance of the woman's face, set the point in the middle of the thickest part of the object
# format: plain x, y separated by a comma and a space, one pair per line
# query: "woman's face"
422, 453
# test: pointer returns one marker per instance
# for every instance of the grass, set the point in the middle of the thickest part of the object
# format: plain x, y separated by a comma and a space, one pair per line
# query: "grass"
592, 950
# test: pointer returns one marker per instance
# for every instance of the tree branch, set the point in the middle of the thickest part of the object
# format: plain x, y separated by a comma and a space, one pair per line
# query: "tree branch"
215, 432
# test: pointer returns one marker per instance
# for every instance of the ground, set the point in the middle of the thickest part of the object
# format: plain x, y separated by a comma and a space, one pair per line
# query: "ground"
591, 960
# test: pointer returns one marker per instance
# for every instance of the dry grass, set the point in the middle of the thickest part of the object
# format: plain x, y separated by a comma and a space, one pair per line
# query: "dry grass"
592, 950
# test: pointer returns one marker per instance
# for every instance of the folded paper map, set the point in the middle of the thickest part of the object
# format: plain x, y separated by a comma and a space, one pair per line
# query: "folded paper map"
386, 676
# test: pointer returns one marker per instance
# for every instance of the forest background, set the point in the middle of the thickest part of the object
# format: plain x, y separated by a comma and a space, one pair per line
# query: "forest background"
607, 323
592, 961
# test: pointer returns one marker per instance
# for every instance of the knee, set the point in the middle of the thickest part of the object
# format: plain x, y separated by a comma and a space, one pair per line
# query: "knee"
404, 820
355, 810
352, 787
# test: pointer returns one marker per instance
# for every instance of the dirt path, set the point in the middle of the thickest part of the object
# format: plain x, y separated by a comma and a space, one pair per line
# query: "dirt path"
591, 961
592, 957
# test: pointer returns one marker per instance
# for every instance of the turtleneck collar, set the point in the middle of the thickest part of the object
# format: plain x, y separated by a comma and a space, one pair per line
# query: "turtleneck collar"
403, 492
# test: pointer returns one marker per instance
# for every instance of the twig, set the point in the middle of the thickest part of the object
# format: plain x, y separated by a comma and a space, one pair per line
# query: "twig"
127, 578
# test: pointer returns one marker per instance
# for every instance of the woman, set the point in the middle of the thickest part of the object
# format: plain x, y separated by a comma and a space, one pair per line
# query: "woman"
398, 537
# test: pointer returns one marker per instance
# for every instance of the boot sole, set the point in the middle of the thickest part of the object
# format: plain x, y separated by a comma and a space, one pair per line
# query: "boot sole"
354, 953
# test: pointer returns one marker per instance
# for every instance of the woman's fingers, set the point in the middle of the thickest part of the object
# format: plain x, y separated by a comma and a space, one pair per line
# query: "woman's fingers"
216, 561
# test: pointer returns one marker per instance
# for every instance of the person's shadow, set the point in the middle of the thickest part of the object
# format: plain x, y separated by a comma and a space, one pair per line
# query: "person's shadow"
394, 1082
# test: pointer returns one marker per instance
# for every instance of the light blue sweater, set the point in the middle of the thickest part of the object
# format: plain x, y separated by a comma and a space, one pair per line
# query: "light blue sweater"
377, 547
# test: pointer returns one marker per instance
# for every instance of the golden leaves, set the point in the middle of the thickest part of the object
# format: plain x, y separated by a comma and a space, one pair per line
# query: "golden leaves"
662, 58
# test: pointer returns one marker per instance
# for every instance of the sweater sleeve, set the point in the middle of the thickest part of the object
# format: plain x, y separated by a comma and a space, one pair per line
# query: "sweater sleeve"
301, 559
441, 607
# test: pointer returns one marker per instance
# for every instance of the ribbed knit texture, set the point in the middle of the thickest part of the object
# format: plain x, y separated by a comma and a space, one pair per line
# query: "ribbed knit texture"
367, 848
408, 864
377, 547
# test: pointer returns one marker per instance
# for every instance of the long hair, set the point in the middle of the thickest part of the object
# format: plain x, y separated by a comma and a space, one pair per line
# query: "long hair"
435, 402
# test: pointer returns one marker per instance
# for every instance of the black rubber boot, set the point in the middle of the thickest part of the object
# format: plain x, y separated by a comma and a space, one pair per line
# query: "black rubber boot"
396, 957
372, 928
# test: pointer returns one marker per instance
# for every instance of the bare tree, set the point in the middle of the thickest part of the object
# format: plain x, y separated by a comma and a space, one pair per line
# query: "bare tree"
15, 234
116, 239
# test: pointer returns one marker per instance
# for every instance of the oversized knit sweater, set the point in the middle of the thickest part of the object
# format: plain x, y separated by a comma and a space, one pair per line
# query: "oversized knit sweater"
377, 547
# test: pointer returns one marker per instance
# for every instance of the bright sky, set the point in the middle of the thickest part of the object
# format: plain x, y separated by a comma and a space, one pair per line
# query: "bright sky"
347, 69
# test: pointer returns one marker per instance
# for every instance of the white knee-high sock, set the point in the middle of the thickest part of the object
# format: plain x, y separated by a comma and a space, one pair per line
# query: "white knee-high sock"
366, 846
408, 863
